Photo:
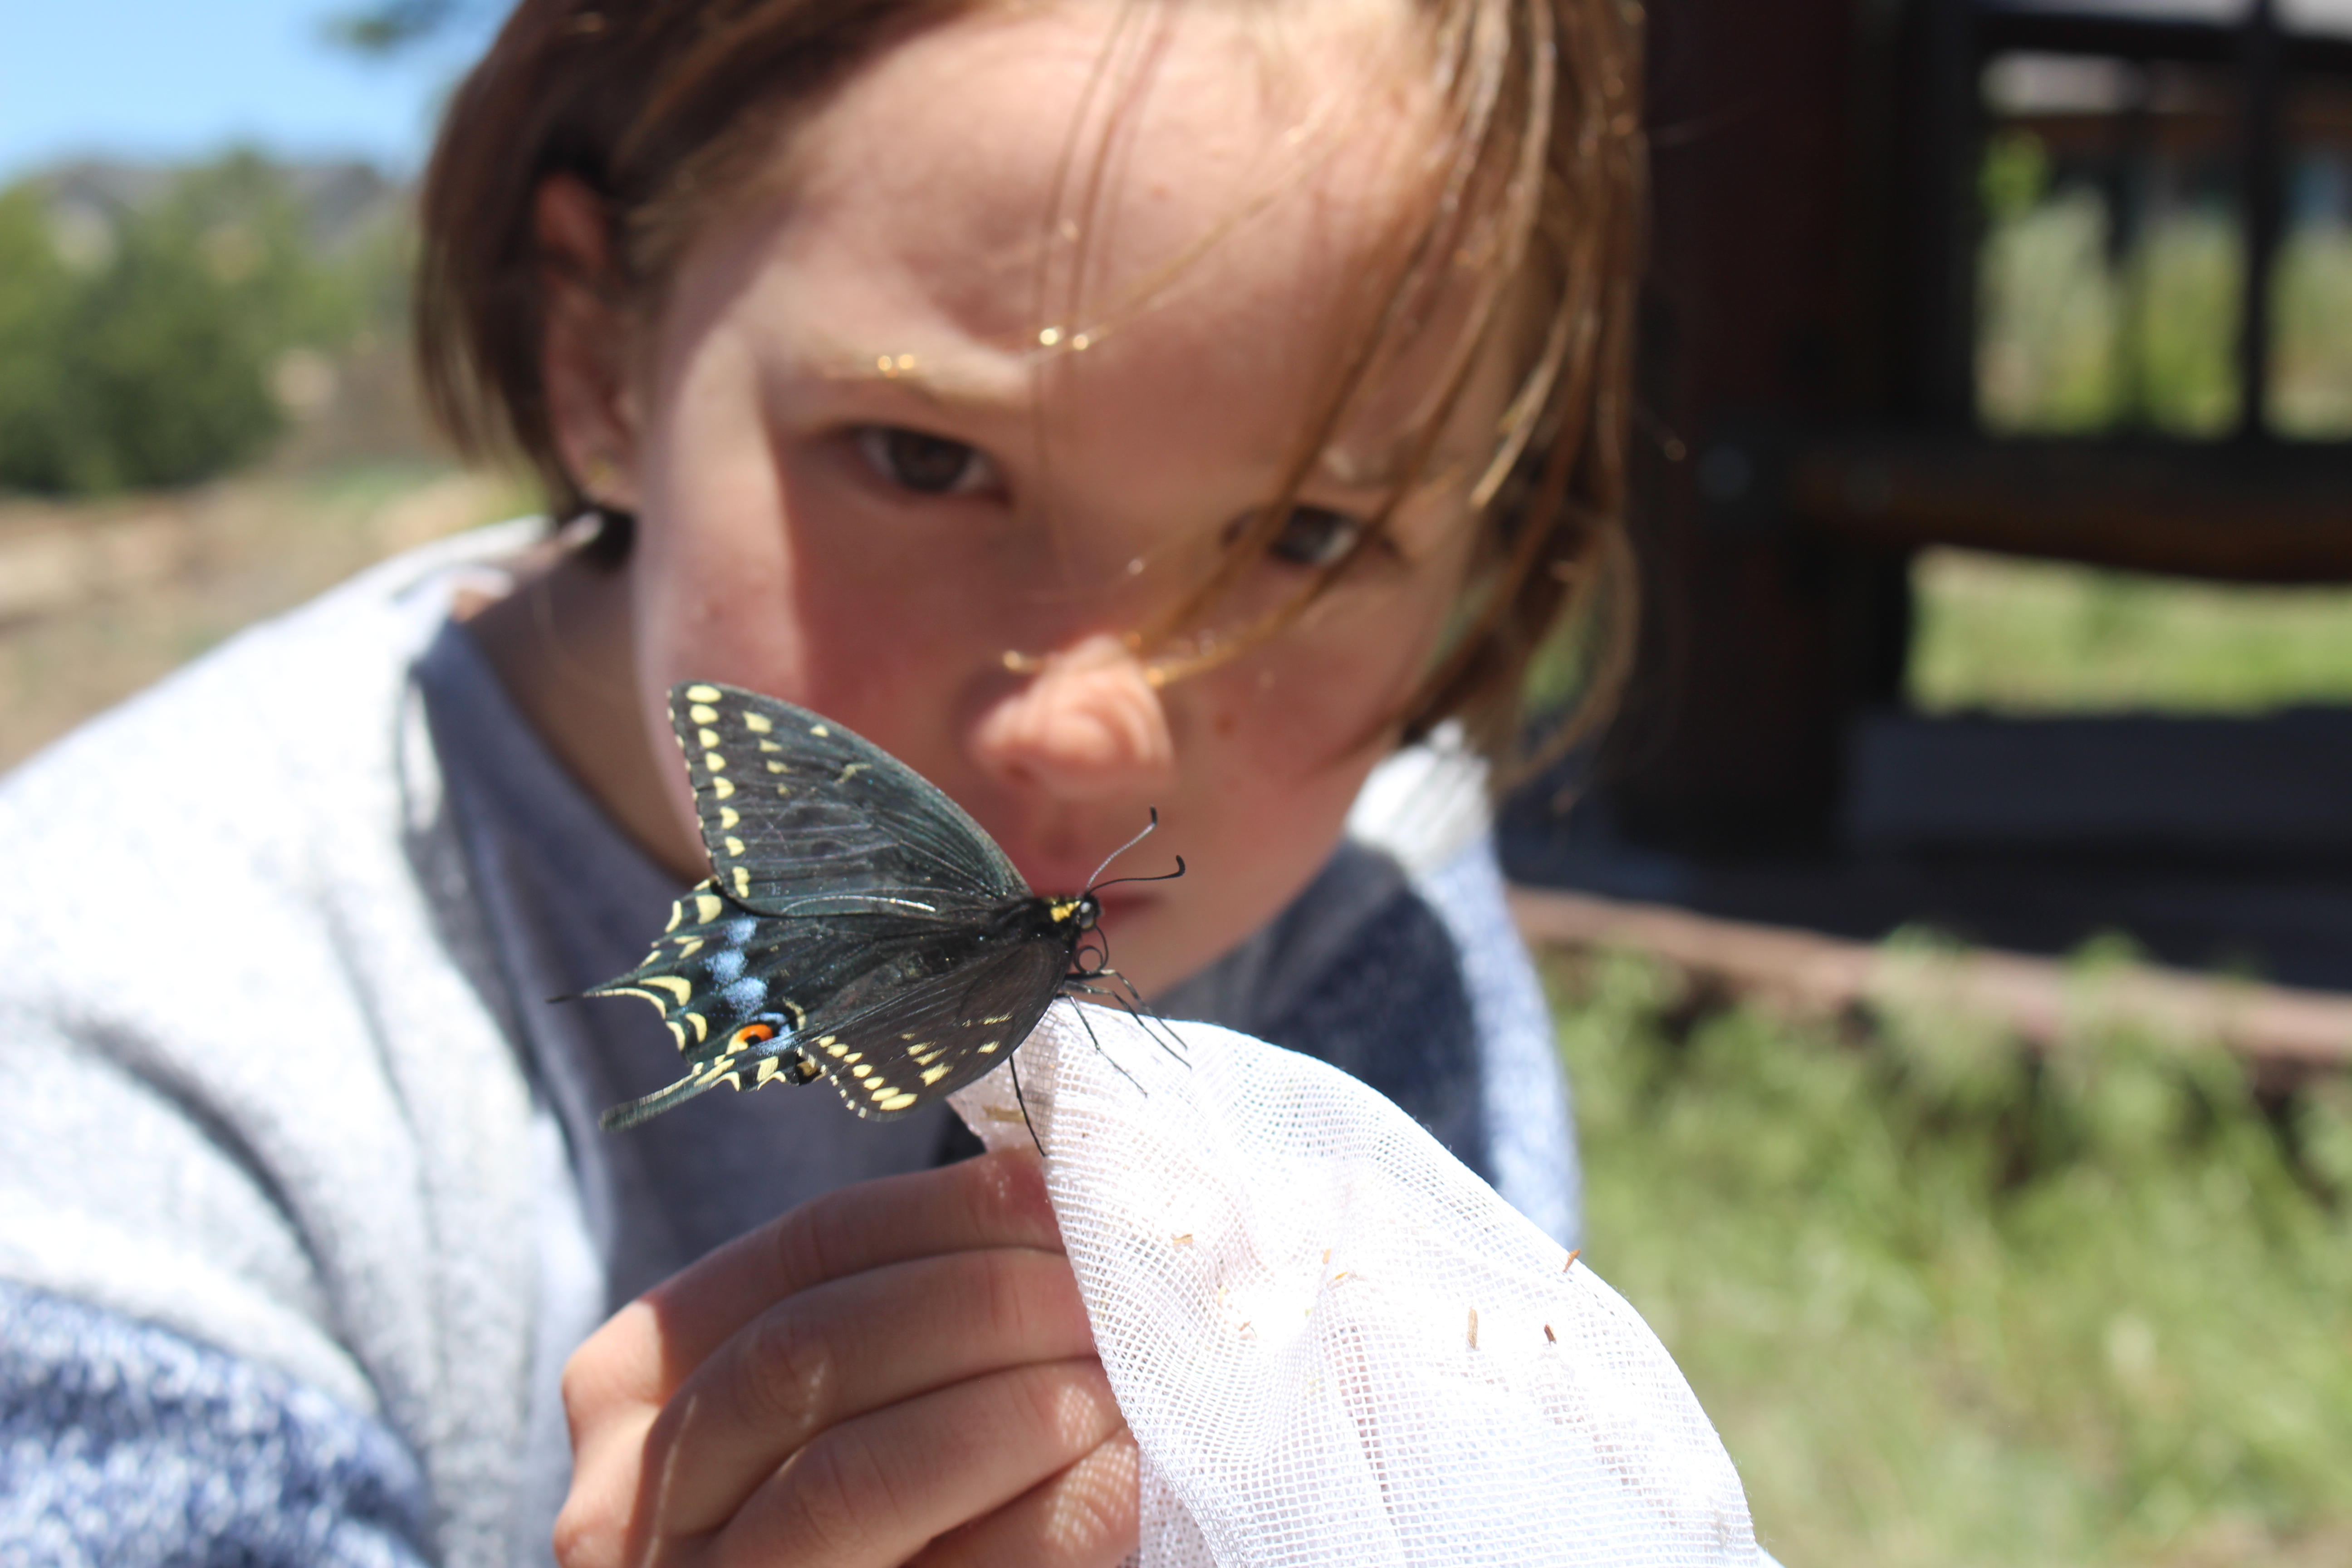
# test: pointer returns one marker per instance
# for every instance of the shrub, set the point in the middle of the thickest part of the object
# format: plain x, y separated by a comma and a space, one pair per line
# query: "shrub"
137, 337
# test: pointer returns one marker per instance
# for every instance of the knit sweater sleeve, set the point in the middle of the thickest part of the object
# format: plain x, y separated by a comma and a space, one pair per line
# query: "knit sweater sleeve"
265, 1173
1433, 1001
121, 1442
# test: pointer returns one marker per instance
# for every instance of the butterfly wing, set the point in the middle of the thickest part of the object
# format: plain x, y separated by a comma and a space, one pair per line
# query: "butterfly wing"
898, 1010
803, 817
924, 1041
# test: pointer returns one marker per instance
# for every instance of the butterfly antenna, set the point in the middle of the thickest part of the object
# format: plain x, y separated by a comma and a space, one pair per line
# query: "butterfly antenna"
1094, 881
1122, 881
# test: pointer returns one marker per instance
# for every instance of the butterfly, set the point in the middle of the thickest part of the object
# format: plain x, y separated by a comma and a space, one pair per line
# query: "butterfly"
858, 926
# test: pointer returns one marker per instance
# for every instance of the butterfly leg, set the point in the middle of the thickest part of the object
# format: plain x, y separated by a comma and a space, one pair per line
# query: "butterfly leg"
1106, 1056
1013, 1061
1146, 1016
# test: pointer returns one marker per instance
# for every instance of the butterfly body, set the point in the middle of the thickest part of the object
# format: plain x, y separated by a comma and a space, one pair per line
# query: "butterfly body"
858, 927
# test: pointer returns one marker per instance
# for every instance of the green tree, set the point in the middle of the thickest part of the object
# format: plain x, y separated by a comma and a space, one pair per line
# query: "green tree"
36, 290
136, 345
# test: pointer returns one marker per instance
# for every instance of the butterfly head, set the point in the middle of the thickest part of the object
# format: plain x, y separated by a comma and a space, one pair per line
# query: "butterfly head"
1078, 914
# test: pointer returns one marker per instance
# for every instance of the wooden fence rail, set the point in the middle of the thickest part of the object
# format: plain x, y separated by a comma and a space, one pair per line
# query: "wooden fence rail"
2285, 1035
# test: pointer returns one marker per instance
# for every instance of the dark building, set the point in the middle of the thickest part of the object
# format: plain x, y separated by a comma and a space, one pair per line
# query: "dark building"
1832, 380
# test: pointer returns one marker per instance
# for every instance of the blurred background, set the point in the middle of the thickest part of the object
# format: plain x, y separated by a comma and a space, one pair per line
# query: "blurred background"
1952, 944
206, 412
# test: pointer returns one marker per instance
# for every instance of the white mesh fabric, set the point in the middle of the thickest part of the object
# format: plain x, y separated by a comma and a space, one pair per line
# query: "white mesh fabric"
1333, 1342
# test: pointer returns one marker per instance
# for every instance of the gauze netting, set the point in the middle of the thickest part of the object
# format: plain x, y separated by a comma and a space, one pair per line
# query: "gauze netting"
1334, 1344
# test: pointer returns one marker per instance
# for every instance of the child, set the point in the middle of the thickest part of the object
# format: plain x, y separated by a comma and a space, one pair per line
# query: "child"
1100, 407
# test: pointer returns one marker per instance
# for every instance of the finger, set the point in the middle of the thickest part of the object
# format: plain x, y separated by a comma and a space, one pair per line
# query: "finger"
595, 1529
875, 1490
1087, 1517
646, 1350
841, 1350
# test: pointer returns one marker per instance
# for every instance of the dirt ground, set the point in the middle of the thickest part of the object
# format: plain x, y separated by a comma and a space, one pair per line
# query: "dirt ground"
100, 600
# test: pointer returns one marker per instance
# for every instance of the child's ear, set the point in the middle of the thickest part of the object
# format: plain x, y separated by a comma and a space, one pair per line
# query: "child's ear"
584, 343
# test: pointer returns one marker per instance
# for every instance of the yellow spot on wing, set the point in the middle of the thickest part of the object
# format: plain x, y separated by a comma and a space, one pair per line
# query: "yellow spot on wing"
848, 771
819, 730
933, 1075
729, 816
687, 946
860, 1070
703, 713
769, 746
708, 738
723, 788
734, 847
897, 1102
713, 760
990, 1046
757, 723
678, 1032
707, 906
742, 883
702, 694
676, 913
671, 984
701, 1026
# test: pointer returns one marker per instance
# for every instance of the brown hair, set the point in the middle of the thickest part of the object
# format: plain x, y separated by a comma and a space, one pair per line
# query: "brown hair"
662, 107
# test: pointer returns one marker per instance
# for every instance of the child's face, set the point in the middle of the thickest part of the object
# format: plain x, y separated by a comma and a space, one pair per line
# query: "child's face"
873, 545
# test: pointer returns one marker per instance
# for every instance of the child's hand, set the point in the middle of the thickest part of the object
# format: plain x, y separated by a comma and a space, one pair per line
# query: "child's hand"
899, 1372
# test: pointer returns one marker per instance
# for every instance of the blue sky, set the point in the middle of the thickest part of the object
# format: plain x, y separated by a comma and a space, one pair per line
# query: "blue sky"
184, 79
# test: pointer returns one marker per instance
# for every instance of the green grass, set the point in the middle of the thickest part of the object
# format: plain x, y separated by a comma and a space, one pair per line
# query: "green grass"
2023, 637
1949, 1306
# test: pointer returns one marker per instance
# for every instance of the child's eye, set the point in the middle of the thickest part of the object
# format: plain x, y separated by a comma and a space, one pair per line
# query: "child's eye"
927, 465
1310, 536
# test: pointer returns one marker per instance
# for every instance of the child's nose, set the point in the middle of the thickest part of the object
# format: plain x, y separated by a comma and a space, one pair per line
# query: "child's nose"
1088, 724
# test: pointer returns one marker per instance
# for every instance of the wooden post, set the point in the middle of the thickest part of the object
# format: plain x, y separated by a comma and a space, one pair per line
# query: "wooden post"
1759, 641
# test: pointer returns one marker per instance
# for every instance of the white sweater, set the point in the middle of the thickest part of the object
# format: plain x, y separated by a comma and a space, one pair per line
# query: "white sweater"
301, 1205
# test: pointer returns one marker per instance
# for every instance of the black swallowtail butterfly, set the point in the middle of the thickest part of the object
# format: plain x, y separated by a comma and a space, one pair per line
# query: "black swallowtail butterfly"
858, 927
